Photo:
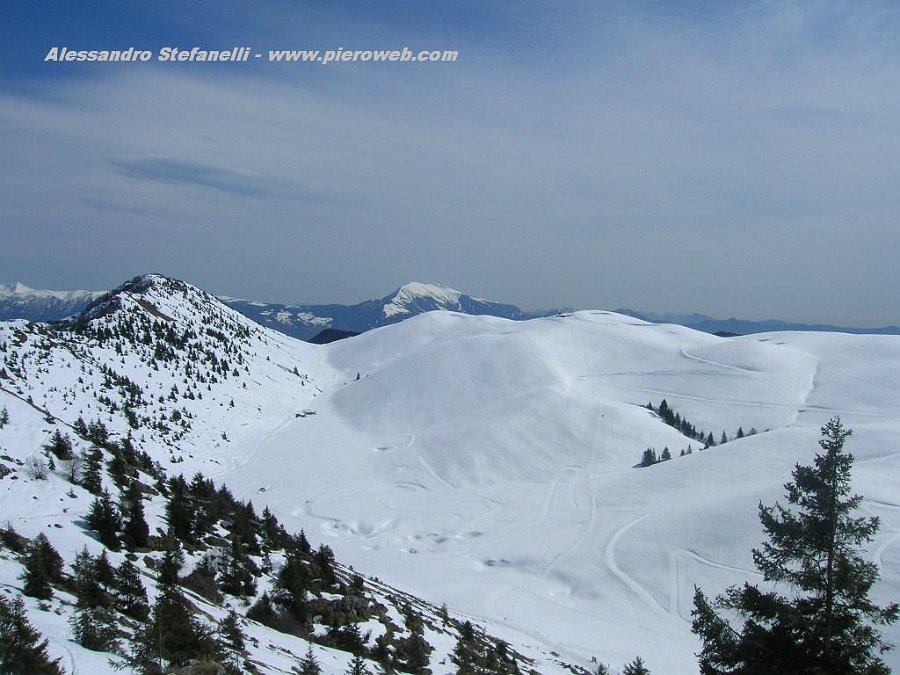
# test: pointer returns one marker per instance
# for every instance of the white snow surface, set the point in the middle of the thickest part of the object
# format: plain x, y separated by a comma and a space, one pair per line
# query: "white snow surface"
489, 464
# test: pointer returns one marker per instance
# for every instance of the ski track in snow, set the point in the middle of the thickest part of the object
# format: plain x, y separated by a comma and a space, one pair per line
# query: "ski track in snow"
630, 583
717, 364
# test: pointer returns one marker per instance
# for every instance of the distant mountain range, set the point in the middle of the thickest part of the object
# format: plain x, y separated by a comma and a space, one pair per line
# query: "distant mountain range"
18, 301
734, 326
307, 321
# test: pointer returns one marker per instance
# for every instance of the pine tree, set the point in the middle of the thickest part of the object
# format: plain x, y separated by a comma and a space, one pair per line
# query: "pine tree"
636, 667
666, 455
88, 590
131, 598
172, 636
4, 417
308, 664
649, 457
172, 562
103, 517
60, 445
94, 628
43, 567
358, 666
136, 532
180, 510
22, 652
230, 629
91, 468
825, 624
263, 611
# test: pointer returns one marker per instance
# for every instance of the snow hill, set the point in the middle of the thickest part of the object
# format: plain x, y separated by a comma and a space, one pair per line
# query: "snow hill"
192, 387
471, 460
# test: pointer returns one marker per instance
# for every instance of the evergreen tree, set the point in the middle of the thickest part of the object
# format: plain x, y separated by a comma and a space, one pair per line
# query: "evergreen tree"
666, 455
60, 445
22, 652
91, 468
43, 567
636, 667
236, 571
103, 517
4, 417
292, 585
230, 629
94, 628
88, 590
273, 533
131, 598
825, 624
136, 531
263, 611
323, 562
172, 636
118, 468
649, 457
358, 666
663, 409
308, 664
180, 510
172, 562
104, 572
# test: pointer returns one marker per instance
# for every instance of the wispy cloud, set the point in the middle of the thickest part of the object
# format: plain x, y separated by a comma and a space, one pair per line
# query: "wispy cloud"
181, 172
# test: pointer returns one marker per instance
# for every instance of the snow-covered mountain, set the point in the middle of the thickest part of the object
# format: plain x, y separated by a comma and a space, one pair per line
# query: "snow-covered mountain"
474, 461
412, 299
161, 379
18, 301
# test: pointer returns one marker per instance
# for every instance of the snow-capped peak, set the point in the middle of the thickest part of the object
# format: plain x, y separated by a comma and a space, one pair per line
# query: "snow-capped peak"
17, 289
415, 292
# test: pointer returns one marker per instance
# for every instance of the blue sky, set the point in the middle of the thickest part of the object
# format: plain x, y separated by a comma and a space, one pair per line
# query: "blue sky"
726, 158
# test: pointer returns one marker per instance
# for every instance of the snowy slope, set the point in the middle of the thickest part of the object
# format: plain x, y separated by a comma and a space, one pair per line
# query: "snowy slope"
490, 464
200, 388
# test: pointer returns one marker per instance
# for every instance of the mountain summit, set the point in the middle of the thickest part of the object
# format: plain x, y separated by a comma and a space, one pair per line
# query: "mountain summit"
18, 301
411, 299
